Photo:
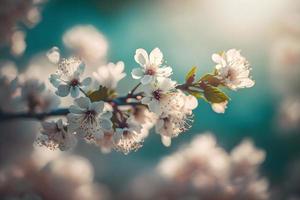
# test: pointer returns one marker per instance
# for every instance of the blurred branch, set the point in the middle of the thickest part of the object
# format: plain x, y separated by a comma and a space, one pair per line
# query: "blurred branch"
4, 116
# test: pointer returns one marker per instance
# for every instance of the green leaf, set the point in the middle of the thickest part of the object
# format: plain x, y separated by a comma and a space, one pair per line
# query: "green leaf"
214, 95
102, 94
210, 79
190, 76
198, 95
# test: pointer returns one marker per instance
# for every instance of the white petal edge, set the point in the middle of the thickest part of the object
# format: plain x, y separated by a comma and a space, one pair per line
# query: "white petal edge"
141, 57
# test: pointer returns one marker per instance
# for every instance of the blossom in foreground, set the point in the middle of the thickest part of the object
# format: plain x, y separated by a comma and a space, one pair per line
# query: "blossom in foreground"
88, 119
156, 94
67, 79
122, 123
177, 118
128, 136
233, 69
204, 170
146, 118
55, 135
150, 66
109, 75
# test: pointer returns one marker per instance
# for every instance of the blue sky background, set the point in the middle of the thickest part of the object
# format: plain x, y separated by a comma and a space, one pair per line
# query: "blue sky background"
187, 36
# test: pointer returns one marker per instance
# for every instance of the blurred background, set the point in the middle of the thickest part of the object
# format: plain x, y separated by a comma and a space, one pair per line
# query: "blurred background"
188, 32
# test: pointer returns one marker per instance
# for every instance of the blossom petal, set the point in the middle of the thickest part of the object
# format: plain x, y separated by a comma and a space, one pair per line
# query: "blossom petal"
191, 102
217, 58
105, 124
247, 83
156, 57
76, 110
54, 80
166, 140
141, 57
74, 122
53, 55
80, 68
99, 134
83, 102
107, 115
137, 73
87, 81
74, 92
219, 107
146, 100
63, 90
49, 126
154, 107
146, 79
97, 106
118, 135
165, 71
166, 84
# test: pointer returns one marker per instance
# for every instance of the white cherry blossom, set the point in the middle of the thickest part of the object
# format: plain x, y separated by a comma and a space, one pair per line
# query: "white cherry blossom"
67, 79
109, 75
150, 66
88, 119
156, 94
55, 135
177, 118
233, 69
128, 136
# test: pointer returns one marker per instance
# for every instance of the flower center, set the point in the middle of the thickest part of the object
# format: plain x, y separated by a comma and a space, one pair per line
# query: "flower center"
74, 82
231, 75
150, 71
125, 133
90, 113
123, 125
157, 94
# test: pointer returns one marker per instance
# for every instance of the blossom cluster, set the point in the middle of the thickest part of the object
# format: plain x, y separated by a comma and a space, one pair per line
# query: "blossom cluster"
204, 170
101, 117
285, 64
17, 16
43, 175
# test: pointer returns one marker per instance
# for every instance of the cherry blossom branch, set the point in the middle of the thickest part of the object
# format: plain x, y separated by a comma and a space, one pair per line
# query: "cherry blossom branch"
5, 116
130, 94
83, 92
163, 103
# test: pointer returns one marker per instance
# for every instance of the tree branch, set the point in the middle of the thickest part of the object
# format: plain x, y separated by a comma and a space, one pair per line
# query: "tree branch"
120, 101
130, 94
5, 116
